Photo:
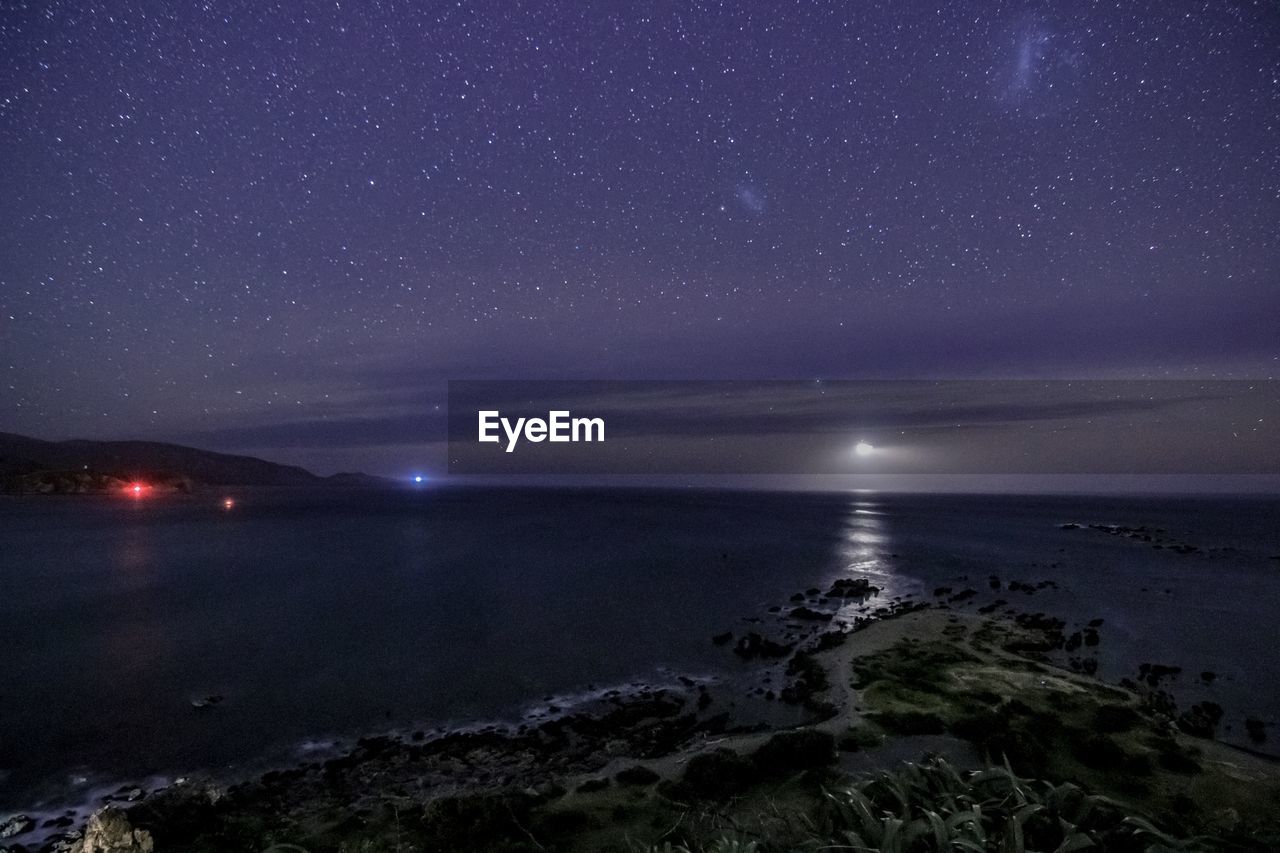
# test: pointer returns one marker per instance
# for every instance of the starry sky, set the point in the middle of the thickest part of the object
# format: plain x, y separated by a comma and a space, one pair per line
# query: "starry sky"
279, 228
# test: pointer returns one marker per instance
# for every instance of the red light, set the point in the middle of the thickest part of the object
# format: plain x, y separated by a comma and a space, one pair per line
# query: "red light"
135, 489
228, 503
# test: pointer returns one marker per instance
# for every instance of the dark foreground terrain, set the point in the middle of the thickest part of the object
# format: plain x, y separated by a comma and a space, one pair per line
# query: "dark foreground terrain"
1038, 758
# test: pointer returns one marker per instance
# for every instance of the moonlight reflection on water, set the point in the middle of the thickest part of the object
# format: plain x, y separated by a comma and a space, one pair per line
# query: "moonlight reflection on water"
864, 551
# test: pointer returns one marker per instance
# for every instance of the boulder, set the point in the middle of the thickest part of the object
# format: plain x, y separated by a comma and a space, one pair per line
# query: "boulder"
16, 825
67, 842
109, 831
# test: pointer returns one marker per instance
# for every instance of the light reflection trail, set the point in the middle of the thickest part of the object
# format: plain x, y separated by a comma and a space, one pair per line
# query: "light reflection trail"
865, 551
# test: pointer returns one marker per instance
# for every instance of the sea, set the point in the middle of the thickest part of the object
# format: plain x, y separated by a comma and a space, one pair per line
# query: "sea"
143, 639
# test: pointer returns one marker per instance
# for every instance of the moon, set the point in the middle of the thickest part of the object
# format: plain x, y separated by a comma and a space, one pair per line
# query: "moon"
862, 448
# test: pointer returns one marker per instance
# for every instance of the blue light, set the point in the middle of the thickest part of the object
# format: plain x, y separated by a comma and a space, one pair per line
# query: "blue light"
417, 478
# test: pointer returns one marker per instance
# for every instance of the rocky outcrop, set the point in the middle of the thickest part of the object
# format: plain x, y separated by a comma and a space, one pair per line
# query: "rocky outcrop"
754, 645
810, 615
109, 831
16, 825
852, 588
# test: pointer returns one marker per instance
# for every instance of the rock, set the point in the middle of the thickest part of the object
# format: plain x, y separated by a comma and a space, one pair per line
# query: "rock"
852, 588
1152, 673
1208, 676
16, 825
68, 842
753, 646
109, 831
1069, 526
721, 639
810, 614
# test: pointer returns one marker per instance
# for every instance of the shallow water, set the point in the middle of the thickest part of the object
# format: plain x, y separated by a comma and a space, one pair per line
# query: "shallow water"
320, 615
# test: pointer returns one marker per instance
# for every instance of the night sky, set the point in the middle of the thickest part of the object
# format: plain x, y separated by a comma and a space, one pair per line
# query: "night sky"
279, 228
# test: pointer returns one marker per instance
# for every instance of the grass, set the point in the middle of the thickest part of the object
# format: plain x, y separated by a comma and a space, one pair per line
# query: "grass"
934, 807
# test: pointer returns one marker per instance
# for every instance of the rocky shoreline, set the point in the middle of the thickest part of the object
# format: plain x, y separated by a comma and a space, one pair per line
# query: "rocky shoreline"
963, 679
963, 664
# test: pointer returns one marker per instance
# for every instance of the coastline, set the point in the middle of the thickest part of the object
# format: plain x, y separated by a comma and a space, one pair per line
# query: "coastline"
910, 678
794, 654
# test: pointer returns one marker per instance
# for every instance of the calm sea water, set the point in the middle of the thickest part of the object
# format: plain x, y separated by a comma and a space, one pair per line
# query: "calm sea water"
330, 614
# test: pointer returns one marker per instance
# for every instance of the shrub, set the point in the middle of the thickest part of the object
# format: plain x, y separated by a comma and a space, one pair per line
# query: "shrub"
858, 737
932, 807
637, 775
1115, 718
790, 752
911, 722
718, 774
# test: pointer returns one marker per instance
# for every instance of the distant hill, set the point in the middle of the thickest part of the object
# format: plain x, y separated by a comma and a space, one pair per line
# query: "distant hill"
31, 464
